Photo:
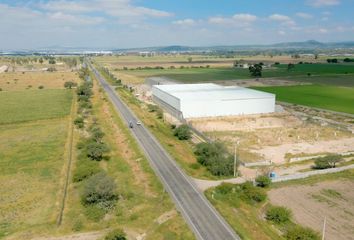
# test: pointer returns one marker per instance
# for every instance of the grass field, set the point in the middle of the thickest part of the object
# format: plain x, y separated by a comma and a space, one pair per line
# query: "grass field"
20, 106
31, 160
339, 99
16, 81
338, 74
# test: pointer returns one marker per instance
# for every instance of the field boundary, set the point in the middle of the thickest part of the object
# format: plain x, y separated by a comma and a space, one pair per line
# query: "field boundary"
70, 153
316, 108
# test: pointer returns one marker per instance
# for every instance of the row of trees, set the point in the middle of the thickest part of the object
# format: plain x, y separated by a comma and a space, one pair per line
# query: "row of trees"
99, 191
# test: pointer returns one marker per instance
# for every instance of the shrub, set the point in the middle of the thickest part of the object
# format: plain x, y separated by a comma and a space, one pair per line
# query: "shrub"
79, 122
100, 189
224, 188
40, 87
251, 193
96, 133
278, 215
85, 169
182, 132
69, 85
215, 157
263, 181
0, 89
301, 233
94, 213
116, 234
96, 150
77, 226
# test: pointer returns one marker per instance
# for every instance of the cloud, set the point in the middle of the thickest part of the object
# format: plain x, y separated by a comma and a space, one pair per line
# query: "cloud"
323, 3
240, 20
282, 33
282, 19
113, 8
185, 22
244, 18
304, 15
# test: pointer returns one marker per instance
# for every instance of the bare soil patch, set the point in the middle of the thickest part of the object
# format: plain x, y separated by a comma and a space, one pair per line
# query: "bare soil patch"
310, 204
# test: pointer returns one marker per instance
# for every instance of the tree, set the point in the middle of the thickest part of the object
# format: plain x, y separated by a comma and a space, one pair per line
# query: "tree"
263, 181
190, 59
329, 161
96, 150
116, 234
278, 215
79, 122
69, 84
256, 70
301, 233
100, 189
182, 132
41, 60
52, 61
97, 134
290, 66
215, 157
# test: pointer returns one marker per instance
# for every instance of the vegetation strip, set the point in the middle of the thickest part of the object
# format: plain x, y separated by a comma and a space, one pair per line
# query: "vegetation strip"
68, 170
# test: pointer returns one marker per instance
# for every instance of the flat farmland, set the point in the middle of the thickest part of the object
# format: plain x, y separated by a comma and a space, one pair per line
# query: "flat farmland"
16, 81
341, 75
31, 162
334, 98
20, 106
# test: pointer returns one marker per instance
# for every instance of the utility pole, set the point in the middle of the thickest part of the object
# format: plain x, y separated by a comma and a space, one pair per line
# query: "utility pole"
324, 229
235, 158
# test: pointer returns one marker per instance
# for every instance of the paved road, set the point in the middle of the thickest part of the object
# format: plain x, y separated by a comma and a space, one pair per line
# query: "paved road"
201, 216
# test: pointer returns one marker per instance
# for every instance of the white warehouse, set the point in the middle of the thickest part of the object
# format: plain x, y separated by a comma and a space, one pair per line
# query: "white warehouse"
211, 100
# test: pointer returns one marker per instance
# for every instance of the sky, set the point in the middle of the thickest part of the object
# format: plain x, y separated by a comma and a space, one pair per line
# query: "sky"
107, 24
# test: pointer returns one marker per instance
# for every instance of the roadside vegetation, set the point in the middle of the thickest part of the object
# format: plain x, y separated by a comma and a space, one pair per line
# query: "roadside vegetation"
113, 187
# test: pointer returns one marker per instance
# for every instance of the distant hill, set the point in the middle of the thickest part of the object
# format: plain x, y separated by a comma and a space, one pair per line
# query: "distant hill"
289, 47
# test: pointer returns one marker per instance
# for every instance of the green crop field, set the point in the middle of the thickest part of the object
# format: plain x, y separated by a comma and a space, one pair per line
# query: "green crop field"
339, 99
335, 74
21, 106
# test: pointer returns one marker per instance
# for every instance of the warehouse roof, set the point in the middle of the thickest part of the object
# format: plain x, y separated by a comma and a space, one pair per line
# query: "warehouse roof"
210, 91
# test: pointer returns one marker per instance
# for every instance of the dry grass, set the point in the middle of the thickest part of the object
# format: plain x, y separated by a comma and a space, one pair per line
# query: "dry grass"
31, 160
16, 81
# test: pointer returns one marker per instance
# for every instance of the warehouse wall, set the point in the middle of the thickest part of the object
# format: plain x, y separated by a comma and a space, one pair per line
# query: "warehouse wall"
167, 98
194, 108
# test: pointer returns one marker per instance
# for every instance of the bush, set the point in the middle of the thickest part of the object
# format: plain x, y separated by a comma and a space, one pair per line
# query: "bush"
69, 85
278, 215
79, 122
85, 169
225, 188
94, 213
215, 157
116, 234
40, 87
301, 233
96, 133
251, 193
182, 132
96, 150
263, 181
100, 189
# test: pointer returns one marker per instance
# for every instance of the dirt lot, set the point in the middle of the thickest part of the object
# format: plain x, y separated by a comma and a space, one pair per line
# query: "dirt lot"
310, 204
276, 137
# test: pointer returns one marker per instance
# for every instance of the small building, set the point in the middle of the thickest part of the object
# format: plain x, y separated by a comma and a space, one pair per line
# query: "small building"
211, 100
